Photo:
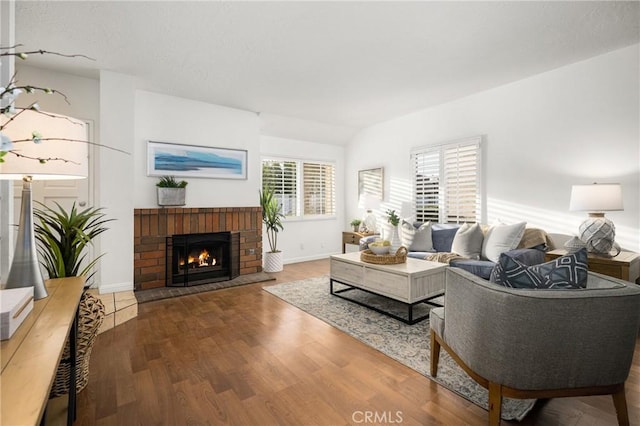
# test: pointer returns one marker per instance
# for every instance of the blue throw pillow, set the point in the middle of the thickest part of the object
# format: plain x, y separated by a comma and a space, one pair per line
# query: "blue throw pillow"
443, 238
565, 272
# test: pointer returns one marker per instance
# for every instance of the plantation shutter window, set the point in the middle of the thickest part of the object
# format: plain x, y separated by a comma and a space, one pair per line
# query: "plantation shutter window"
319, 189
303, 188
447, 182
427, 186
282, 177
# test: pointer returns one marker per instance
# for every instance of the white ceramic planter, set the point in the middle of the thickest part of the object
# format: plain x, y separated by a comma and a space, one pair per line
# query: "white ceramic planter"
390, 233
272, 261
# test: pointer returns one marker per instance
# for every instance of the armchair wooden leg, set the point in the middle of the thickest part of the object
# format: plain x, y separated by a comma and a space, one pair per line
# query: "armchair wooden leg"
435, 354
495, 403
620, 402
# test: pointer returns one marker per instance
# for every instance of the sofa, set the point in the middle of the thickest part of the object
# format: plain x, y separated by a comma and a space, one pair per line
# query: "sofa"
438, 239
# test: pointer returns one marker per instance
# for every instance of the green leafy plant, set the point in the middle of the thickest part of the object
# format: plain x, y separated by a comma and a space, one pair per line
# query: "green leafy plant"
271, 217
171, 182
392, 217
63, 237
355, 222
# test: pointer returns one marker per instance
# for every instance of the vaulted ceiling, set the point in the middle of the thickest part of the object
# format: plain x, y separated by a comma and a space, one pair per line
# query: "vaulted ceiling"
347, 64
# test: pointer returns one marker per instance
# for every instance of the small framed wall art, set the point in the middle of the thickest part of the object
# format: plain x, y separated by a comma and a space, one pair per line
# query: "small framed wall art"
195, 161
371, 183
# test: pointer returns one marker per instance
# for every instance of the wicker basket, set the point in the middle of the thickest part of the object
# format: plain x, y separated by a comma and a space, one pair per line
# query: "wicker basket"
90, 318
384, 259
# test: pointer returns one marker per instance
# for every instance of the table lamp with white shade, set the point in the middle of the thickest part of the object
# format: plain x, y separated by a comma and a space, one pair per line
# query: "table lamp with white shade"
60, 152
369, 202
597, 232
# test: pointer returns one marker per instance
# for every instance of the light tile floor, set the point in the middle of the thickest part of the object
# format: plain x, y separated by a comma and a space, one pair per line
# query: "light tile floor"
119, 307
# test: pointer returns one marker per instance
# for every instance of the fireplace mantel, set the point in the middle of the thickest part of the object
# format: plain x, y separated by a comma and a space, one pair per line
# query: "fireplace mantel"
153, 226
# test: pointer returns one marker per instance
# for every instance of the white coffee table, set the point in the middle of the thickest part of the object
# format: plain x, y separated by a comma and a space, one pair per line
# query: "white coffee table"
413, 282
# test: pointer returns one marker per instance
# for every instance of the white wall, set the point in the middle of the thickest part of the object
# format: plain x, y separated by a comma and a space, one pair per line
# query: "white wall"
308, 239
115, 181
164, 118
573, 125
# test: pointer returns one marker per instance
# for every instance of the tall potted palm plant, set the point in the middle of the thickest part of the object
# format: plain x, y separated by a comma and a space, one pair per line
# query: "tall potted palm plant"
272, 219
63, 239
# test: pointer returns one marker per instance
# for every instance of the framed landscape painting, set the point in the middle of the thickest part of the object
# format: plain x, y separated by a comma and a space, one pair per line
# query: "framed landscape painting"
195, 161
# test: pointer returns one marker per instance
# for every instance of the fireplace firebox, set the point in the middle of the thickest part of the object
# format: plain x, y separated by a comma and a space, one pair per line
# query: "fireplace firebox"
203, 258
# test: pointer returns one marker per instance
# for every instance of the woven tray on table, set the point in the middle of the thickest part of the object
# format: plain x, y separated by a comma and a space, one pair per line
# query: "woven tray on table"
90, 317
384, 259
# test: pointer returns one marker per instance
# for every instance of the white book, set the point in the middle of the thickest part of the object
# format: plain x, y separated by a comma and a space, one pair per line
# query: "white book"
16, 304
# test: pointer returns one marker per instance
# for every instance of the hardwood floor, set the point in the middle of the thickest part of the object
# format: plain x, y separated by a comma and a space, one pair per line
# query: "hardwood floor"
241, 356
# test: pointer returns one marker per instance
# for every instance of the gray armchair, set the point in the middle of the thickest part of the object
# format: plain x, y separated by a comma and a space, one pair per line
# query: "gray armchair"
539, 343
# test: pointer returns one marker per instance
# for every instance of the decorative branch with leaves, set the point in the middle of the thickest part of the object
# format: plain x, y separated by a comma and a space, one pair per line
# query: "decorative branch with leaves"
11, 90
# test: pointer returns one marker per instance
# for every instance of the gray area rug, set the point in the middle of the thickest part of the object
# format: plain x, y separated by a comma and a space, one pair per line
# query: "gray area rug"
408, 344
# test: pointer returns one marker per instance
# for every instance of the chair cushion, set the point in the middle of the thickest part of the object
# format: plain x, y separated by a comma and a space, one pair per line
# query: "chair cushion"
565, 272
436, 320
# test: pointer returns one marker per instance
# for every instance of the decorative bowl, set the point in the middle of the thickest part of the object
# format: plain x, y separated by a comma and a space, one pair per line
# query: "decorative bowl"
379, 249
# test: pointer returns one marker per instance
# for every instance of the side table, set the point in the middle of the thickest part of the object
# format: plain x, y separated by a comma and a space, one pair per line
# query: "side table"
625, 265
350, 237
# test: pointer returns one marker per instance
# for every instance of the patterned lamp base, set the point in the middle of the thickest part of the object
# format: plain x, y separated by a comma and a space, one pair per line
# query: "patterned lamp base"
598, 233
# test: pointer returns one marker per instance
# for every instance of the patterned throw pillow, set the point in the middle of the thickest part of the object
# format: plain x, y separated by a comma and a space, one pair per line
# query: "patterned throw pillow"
407, 233
565, 272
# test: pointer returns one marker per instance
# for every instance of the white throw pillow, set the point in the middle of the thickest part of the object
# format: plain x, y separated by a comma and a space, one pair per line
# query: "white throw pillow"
422, 238
407, 233
501, 238
468, 241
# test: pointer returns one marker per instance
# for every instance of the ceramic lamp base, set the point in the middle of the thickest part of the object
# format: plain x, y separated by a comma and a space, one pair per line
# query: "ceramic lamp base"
598, 233
25, 269
370, 223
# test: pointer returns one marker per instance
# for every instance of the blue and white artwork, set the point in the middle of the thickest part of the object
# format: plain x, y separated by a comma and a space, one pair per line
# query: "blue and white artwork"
195, 161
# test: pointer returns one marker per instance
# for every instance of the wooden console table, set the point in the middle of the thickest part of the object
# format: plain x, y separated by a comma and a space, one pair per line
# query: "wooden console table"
625, 265
31, 356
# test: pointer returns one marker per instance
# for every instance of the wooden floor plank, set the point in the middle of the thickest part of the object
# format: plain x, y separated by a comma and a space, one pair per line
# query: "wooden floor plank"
241, 356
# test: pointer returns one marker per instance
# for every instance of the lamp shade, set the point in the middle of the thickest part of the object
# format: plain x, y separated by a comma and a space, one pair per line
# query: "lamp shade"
598, 197
368, 202
64, 147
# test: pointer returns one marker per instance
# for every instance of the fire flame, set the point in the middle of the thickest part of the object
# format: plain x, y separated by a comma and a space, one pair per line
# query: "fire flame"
202, 260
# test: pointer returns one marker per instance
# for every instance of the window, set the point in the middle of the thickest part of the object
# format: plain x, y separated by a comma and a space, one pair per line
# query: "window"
447, 182
303, 188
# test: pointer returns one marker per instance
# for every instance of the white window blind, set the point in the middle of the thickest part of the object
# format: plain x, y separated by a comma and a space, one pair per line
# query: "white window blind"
302, 188
447, 182
319, 189
282, 177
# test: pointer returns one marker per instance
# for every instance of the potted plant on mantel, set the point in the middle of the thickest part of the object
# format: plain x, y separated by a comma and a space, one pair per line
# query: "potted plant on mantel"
272, 218
171, 192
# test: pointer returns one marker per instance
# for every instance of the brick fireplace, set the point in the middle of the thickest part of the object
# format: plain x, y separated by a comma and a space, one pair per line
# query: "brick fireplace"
153, 226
